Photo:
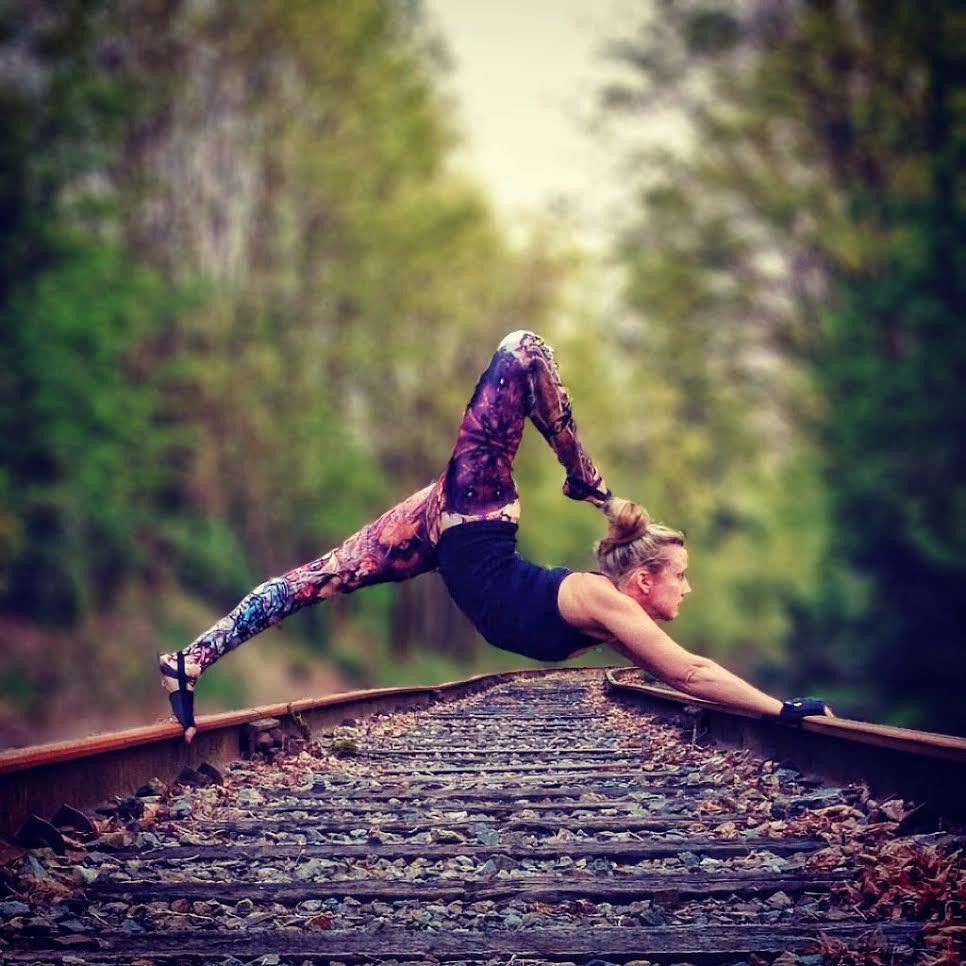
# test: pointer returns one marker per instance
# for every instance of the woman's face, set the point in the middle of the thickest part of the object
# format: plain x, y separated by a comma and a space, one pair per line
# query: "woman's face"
662, 596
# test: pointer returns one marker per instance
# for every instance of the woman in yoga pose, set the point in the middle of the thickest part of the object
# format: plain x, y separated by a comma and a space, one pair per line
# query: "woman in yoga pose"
464, 524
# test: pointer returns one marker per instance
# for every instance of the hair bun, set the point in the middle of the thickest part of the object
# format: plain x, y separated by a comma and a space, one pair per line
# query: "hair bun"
628, 522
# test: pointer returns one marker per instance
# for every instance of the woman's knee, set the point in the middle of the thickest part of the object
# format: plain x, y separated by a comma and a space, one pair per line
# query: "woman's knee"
267, 604
276, 596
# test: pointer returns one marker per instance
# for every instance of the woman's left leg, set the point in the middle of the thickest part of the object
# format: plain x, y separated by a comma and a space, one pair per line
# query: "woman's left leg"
398, 545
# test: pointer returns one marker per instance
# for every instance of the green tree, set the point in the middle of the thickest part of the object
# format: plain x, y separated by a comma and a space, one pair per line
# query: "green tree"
79, 440
800, 255
286, 165
354, 286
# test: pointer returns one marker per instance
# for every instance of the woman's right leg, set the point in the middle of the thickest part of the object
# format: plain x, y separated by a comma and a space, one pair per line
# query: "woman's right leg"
521, 380
398, 545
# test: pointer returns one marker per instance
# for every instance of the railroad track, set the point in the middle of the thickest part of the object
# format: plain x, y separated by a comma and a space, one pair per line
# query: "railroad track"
531, 818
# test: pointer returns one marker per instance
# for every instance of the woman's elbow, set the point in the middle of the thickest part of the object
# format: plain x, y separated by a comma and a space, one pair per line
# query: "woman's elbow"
698, 671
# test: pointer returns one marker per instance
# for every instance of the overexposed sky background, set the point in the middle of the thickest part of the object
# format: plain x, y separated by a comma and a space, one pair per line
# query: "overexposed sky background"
524, 78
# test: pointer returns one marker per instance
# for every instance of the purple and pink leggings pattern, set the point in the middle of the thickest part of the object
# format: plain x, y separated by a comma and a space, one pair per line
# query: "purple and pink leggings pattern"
521, 381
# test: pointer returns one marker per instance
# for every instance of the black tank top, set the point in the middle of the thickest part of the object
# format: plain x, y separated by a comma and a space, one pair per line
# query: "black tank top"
511, 602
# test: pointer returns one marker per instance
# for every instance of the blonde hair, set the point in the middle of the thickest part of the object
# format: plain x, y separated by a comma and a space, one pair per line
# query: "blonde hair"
632, 540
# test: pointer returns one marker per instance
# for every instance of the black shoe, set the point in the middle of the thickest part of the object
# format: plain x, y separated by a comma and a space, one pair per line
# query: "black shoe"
182, 700
577, 489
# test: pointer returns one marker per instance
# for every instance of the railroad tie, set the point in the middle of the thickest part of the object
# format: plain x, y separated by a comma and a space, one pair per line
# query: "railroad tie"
538, 820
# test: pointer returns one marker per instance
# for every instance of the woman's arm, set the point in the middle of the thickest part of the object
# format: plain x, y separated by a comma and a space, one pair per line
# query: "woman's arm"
591, 602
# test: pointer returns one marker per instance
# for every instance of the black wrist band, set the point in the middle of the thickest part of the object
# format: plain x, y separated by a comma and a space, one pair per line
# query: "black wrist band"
798, 708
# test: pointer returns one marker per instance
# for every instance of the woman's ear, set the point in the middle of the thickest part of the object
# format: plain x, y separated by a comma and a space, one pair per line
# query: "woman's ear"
642, 580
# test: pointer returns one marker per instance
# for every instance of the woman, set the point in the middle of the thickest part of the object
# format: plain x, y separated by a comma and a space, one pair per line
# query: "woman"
464, 524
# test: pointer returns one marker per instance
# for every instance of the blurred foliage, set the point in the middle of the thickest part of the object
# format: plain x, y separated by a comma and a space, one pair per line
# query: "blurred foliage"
244, 301
799, 266
244, 297
79, 437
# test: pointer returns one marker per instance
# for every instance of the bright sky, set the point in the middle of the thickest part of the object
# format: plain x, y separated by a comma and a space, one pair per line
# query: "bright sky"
525, 74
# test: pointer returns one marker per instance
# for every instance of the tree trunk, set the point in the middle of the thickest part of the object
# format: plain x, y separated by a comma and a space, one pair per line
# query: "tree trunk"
425, 617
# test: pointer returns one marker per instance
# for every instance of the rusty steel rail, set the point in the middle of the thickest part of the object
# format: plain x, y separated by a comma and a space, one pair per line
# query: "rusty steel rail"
528, 817
918, 765
39, 780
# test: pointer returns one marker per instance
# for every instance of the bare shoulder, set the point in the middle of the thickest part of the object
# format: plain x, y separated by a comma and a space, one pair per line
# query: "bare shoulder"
587, 586
584, 597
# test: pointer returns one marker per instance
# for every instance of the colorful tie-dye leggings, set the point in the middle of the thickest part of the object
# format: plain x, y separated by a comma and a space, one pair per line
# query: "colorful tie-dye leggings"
521, 381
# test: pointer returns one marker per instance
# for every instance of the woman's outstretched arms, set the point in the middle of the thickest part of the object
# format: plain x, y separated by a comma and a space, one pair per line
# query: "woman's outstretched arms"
592, 603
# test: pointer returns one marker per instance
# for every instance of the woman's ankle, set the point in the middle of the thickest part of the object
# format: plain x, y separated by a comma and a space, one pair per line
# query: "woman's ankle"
168, 665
